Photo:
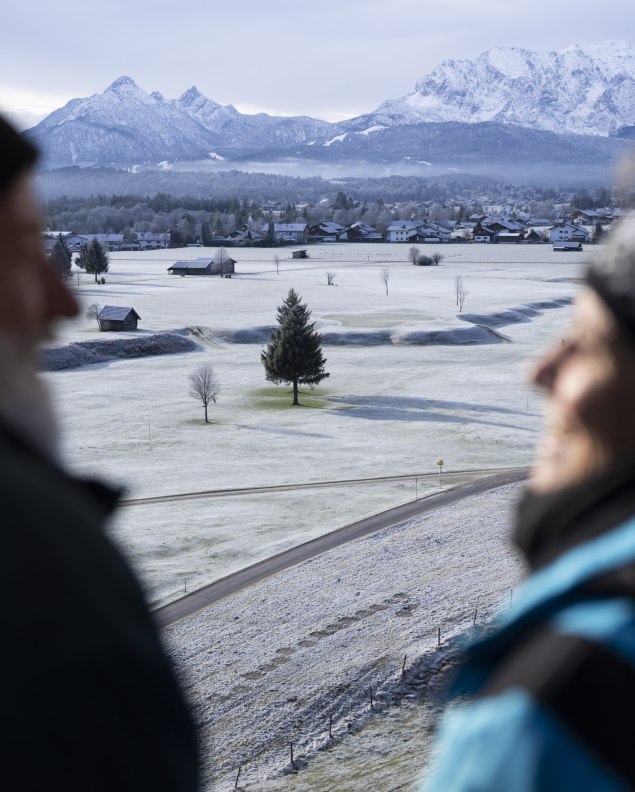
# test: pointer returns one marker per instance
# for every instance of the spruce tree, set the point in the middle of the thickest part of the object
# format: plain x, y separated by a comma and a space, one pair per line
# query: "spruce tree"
270, 236
94, 259
206, 235
61, 257
294, 352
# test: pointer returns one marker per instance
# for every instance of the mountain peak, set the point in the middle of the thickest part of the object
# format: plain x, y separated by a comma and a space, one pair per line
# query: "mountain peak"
190, 96
123, 83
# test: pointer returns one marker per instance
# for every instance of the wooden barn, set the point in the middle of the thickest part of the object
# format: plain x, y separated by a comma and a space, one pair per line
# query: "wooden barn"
112, 317
204, 266
568, 247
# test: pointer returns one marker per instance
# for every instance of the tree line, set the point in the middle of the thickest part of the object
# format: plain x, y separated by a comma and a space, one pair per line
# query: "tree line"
92, 258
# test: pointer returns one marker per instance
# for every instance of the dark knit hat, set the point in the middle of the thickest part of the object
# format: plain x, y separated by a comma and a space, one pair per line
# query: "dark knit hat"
612, 275
16, 155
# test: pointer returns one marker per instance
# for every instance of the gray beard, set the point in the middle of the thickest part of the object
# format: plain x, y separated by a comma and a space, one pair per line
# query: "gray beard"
25, 401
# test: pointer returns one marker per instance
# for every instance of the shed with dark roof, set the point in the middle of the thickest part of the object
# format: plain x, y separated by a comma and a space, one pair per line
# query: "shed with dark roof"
219, 265
114, 317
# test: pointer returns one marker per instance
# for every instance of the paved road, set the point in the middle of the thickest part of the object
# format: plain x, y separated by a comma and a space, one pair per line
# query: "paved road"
448, 478
224, 587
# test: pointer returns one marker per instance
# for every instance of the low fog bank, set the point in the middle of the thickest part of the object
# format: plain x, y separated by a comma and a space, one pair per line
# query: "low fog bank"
306, 180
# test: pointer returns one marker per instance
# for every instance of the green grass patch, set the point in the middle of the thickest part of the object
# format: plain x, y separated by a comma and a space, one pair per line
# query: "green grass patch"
280, 398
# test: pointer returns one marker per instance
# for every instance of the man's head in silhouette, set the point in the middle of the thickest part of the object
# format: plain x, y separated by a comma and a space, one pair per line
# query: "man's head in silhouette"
32, 296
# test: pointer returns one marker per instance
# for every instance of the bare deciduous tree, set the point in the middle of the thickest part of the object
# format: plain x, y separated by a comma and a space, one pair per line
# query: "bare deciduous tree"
437, 257
384, 277
413, 254
92, 312
330, 277
458, 285
204, 386
222, 260
461, 291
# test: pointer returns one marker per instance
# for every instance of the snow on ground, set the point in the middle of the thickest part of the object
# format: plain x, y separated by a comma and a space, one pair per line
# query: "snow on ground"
386, 409
269, 665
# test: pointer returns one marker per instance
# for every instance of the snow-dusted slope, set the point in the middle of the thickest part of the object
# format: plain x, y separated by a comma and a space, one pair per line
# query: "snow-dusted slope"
124, 124
588, 90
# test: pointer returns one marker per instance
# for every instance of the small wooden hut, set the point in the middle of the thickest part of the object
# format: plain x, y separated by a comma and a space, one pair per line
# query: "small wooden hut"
113, 317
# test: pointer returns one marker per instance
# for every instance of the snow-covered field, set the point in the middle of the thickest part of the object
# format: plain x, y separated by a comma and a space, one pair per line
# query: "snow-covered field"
387, 408
272, 664
269, 665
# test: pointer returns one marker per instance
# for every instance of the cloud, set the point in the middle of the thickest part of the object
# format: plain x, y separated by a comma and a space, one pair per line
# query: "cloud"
330, 59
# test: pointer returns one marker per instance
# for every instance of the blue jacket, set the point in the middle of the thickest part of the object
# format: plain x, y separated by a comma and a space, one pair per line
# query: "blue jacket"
552, 692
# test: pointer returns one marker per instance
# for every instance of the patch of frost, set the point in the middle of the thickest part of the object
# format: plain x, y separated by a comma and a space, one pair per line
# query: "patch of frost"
336, 139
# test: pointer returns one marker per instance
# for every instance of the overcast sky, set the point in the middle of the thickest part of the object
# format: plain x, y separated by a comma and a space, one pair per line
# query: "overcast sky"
330, 59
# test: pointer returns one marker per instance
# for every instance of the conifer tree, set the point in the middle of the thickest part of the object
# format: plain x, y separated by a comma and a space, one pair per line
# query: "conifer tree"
61, 257
206, 235
294, 352
271, 233
94, 259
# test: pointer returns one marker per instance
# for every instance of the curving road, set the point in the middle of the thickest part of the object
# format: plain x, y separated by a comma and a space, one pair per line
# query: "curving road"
190, 603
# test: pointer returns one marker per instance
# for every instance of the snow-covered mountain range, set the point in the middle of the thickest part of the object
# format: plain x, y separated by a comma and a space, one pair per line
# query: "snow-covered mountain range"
124, 124
588, 91
582, 95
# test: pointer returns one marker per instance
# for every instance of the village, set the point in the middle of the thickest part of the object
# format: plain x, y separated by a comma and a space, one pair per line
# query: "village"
568, 232
410, 212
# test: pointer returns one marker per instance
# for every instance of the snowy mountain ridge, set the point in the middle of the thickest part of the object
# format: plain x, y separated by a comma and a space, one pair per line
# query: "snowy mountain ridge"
126, 124
583, 95
588, 91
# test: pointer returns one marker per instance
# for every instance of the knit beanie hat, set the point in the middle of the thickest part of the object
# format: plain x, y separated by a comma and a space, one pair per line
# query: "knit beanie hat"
612, 275
16, 155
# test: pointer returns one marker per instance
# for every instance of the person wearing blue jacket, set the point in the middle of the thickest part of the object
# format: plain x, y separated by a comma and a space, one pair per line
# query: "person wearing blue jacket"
546, 701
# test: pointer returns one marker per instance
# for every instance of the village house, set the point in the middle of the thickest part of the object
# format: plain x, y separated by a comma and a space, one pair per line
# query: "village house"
484, 234
510, 237
568, 232
76, 242
362, 232
295, 233
402, 230
417, 231
432, 232
110, 242
504, 226
327, 231
591, 217
533, 237
147, 240
242, 236
113, 317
